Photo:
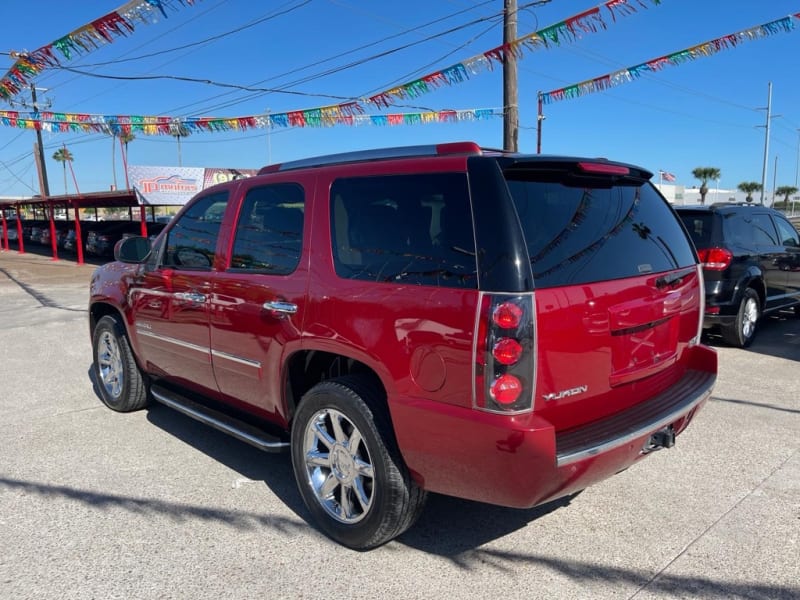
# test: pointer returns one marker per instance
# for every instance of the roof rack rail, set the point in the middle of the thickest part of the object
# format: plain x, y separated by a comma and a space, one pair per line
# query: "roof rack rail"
452, 148
736, 203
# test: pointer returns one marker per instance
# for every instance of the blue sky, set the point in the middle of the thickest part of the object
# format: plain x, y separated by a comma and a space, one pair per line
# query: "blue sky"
706, 112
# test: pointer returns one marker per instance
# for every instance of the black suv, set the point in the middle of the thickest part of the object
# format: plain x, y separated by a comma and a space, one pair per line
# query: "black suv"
751, 261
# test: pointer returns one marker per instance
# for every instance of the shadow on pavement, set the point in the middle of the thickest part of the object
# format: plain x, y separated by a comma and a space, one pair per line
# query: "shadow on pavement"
467, 556
778, 335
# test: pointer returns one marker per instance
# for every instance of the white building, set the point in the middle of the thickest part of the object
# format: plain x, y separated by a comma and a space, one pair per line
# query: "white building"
680, 195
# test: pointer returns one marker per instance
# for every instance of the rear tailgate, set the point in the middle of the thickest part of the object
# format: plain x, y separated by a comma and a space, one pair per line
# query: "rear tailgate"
604, 347
618, 291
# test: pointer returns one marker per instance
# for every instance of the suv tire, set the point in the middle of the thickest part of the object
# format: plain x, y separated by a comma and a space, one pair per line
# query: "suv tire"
119, 381
347, 465
743, 330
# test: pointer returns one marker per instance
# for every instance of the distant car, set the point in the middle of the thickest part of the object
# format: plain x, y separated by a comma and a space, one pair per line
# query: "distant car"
101, 239
751, 262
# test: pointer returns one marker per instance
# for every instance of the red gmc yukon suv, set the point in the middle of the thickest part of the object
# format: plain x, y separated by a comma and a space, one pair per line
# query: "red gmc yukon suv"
500, 327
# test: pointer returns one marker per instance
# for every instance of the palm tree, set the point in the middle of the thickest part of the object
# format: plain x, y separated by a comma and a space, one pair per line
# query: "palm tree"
786, 191
114, 158
179, 130
704, 174
63, 156
748, 187
126, 138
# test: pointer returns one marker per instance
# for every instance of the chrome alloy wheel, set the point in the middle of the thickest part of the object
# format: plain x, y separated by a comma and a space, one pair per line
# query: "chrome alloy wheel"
338, 466
749, 318
109, 364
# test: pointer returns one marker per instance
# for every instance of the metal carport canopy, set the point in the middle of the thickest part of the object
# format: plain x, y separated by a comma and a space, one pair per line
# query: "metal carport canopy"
109, 199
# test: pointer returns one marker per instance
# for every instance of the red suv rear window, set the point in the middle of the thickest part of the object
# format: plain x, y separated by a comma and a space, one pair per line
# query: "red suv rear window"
595, 231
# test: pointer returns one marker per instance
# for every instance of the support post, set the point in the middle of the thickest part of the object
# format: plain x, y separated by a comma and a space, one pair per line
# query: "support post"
766, 144
539, 119
53, 241
78, 234
43, 185
510, 90
20, 237
143, 219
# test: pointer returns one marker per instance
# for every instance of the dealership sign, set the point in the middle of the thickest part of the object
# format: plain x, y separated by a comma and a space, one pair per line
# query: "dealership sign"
171, 186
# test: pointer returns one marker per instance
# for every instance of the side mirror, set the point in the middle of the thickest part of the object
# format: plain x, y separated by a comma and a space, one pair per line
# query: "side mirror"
134, 249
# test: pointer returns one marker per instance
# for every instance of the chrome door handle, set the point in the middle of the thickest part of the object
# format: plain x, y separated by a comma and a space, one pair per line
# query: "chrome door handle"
191, 297
281, 307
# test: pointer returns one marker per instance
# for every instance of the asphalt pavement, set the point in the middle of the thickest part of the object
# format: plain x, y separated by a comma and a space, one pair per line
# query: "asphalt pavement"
95, 504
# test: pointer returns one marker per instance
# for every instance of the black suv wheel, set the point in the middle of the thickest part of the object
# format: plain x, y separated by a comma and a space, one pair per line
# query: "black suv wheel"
742, 331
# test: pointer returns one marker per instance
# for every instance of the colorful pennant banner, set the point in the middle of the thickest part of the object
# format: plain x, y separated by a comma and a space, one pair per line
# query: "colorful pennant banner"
102, 31
153, 125
569, 30
604, 82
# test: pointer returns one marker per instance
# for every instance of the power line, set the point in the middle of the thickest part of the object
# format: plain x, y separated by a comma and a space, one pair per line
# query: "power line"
213, 38
334, 70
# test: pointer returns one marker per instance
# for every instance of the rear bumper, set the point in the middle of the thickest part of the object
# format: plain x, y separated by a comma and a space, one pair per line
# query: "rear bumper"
520, 461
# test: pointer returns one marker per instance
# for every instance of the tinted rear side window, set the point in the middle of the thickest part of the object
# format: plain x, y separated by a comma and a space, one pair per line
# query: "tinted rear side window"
749, 229
585, 234
411, 229
698, 224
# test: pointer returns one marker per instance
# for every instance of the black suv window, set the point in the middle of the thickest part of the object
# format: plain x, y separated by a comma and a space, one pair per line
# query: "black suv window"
404, 228
270, 230
585, 234
787, 232
699, 225
749, 229
192, 241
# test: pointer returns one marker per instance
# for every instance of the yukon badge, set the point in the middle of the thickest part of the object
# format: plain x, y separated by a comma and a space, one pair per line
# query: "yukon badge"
566, 393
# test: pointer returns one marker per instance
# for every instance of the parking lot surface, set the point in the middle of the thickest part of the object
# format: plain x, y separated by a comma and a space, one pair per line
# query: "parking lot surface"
95, 504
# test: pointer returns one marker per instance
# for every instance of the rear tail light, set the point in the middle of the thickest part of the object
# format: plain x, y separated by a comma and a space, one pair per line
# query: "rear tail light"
505, 353
715, 259
604, 168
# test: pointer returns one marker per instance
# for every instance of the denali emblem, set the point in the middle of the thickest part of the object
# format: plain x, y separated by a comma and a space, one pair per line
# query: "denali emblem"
565, 393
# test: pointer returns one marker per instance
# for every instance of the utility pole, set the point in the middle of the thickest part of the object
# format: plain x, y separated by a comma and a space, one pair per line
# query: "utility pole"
510, 90
45, 186
766, 143
774, 179
797, 168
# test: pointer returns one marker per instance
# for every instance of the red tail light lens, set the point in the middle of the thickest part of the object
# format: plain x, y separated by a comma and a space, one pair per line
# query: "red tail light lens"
507, 351
506, 389
507, 315
591, 167
715, 259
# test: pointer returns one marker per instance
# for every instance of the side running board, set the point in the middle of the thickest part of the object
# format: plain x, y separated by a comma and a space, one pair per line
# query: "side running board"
218, 420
